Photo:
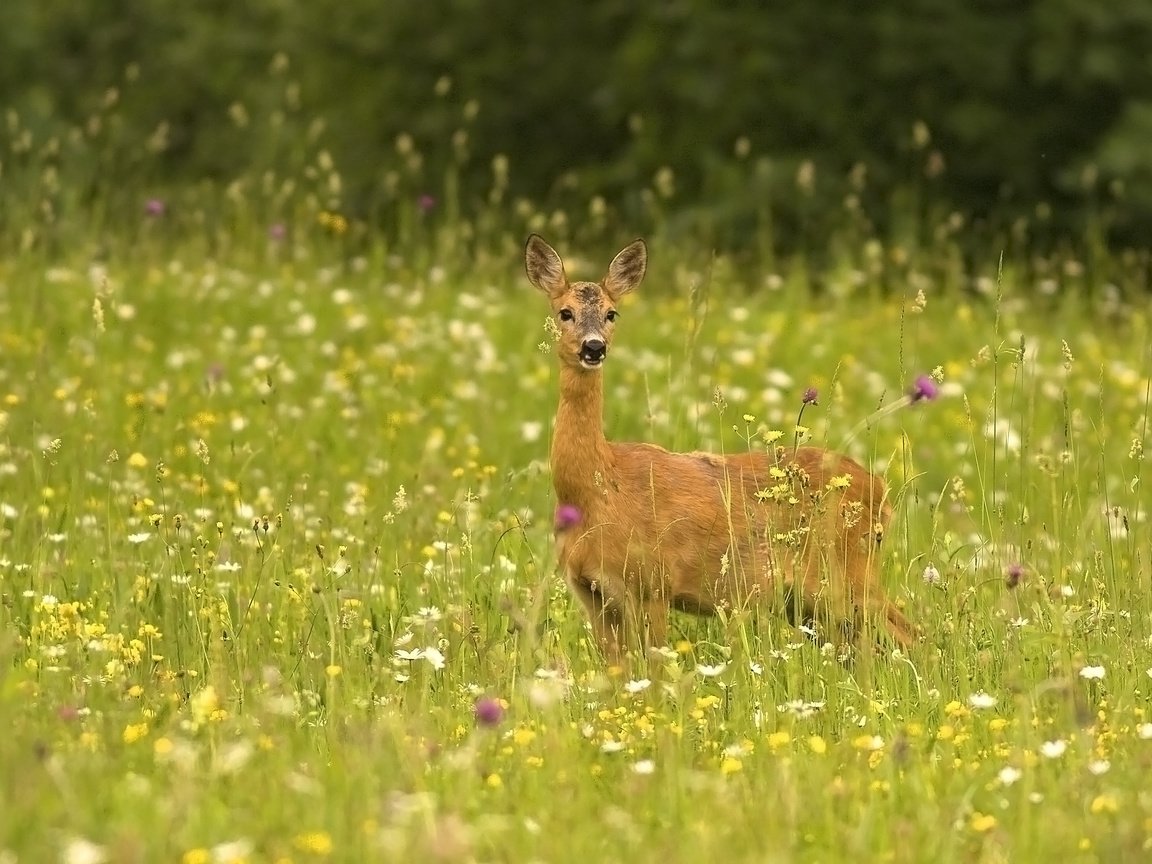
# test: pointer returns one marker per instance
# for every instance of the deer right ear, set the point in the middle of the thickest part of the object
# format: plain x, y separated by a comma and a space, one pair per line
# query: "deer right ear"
544, 268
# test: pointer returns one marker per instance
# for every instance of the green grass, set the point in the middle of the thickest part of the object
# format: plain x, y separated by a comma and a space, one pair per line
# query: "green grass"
238, 477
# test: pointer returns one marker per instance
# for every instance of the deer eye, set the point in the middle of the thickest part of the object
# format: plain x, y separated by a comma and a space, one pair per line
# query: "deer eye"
612, 315
566, 315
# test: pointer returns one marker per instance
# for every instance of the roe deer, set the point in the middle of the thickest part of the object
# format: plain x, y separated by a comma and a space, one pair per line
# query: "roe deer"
641, 530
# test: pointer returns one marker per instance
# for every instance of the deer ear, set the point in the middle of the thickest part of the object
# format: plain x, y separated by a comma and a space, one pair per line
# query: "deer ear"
627, 269
544, 268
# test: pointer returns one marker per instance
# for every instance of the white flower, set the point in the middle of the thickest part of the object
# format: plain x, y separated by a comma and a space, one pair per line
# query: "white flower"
232, 852
637, 686
1009, 775
981, 700
530, 431
1099, 766
48, 601
1144, 730
755, 668
611, 746
81, 851
433, 656
644, 766
1019, 622
1053, 749
931, 575
139, 537
228, 567
711, 671
1092, 673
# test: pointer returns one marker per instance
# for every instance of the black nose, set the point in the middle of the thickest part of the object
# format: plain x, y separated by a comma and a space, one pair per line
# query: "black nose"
593, 350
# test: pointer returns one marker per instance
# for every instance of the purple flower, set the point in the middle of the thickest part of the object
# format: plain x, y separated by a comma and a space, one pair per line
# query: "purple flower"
155, 207
1013, 574
811, 397
277, 231
488, 711
567, 516
426, 203
924, 389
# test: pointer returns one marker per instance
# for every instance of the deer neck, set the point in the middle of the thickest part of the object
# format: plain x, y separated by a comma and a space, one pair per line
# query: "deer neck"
581, 458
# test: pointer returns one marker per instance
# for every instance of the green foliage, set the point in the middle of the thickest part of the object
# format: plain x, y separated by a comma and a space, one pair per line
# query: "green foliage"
990, 108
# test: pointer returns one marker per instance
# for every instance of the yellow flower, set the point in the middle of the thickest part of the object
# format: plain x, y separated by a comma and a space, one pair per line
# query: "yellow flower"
730, 765
817, 744
333, 671
981, 822
196, 856
133, 732
138, 460
778, 739
1104, 804
494, 781
316, 842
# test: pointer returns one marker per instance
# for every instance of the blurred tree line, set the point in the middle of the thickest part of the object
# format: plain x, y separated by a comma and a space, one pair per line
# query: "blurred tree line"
709, 111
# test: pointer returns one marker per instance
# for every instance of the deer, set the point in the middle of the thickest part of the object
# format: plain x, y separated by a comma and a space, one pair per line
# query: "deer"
642, 530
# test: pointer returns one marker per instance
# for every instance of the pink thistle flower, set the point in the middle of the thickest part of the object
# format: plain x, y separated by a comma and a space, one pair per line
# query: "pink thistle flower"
488, 711
567, 516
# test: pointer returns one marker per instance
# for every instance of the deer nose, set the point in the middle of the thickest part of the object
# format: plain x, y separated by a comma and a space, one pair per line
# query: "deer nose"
593, 350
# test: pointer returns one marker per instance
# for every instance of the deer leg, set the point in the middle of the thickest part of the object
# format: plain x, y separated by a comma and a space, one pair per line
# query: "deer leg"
605, 615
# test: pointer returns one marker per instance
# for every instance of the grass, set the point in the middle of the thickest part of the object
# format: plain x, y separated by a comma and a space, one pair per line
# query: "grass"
276, 568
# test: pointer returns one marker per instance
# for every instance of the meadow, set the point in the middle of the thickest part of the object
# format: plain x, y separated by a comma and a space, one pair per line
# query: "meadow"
278, 580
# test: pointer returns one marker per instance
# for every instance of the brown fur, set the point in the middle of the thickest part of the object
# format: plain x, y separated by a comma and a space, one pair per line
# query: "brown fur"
696, 531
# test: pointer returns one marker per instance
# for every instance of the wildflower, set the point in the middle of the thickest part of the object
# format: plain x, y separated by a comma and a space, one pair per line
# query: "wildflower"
811, 397
155, 207
1144, 730
139, 537
1013, 575
277, 231
981, 700
644, 766
981, 822
488, 711
426, 203
1103, 804
931, 575
1053, 749
81, 851
316, 842
1099, 767
1092, 673
1009, 775
923, 389
567, 516
637, 686
711, 671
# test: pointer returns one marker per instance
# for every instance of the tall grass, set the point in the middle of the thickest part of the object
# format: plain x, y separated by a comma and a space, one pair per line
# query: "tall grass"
276, 563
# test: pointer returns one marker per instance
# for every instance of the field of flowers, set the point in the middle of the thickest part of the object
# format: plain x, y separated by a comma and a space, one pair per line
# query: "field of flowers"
277, 579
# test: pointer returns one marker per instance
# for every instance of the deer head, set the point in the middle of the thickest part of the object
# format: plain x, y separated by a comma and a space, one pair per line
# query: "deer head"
585, 312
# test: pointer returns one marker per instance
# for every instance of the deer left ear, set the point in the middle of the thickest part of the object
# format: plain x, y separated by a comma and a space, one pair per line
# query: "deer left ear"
627, 269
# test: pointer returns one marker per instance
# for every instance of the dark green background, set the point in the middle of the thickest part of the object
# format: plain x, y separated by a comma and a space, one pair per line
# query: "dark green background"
1044, 102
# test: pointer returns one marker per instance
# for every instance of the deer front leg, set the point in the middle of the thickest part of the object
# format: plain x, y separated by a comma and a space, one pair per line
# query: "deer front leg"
606, 616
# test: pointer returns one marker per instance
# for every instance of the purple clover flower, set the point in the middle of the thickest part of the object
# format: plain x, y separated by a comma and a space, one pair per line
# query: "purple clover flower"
155, 207
567, 516
924, 389
811, 397
1014, 574
426, 203
488, 711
